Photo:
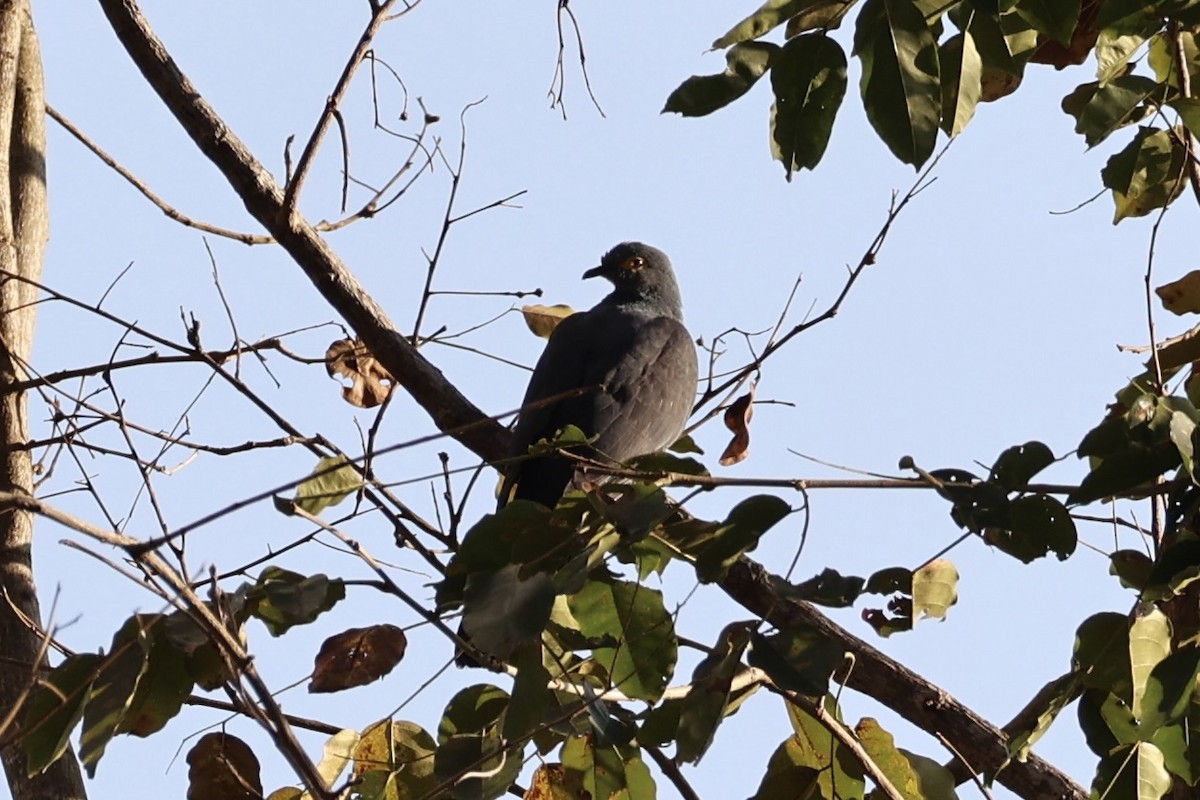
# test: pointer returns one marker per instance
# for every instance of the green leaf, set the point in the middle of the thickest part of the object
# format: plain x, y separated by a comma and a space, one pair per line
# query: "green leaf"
831, 588
1149, 643
1132, 567
881, 747
1180, 746
700, 95
1017, 465
1102, 654
1135, 772
707, 704
1054, 18
769, 16
607, 771
739, 534
55, 708
890, 580
935, 782
532, 697
502, 610
1002, 52
809, 81
1114, 48
332, 481
1101, 738
1127, 450
1188, 109
1118, 716
485, 756
1170, 687
164, 685
799, 659
1100, 110
686, 444
1146, 175
660, 724
664, 461
633, 616
1162, 57
934, 589
1039, 714
475, 709
336, 755
962, 81
812, 748
1037, 525
900, 86
283, 599
113, 690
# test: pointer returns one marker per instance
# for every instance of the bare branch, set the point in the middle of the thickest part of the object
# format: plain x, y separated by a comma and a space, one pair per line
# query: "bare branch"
254, 184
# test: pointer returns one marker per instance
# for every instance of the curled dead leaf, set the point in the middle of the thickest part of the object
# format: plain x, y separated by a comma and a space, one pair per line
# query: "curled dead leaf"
542, 320
1181, 296
370, 382
737, 419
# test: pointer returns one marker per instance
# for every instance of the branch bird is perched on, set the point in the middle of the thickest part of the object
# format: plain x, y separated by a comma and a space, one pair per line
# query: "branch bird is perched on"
634, 353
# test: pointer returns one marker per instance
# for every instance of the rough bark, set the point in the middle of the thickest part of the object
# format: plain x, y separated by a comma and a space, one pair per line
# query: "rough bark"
24, 229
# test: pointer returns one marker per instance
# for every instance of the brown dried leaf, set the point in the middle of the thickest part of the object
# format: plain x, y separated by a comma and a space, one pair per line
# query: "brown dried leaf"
1083, 40
737, 419
1181, 296
222, 767
356, 657
826, 14
542, 320
351, 359
996, 83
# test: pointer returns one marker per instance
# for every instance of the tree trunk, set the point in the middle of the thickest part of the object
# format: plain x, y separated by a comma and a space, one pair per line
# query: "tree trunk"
24, 228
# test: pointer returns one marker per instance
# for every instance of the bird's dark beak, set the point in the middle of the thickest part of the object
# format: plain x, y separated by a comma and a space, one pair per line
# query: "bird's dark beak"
596, 272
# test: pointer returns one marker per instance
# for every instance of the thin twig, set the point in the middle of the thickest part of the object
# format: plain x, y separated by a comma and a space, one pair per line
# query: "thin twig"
296, 183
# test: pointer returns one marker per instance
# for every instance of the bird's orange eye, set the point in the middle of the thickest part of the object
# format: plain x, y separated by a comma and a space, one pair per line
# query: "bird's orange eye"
633, 263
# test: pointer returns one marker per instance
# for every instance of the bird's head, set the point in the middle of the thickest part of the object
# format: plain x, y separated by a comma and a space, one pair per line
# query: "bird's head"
640, 273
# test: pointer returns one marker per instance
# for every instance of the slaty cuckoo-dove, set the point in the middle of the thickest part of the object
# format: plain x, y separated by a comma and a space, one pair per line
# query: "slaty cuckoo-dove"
634, 354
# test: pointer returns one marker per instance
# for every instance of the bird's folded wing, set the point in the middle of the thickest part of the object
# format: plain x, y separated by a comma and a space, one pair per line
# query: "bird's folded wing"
648, 393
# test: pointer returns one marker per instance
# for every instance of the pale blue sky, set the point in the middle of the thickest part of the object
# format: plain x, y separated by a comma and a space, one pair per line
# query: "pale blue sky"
986, 322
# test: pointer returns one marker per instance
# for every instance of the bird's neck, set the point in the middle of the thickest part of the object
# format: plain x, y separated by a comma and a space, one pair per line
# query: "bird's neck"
650, 302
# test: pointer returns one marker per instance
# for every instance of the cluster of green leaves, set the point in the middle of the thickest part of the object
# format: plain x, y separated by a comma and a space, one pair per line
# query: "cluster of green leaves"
542, 590
920, 74
1136, 687
154, 663
1134, 675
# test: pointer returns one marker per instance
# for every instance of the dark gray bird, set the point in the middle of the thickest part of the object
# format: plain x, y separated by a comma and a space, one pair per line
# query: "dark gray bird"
632, 346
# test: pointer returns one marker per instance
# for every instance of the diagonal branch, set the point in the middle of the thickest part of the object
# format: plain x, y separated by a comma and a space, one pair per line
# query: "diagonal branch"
264, 199
917, 700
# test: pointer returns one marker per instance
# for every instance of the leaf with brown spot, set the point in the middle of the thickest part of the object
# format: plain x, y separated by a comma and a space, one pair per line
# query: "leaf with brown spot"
1181, 296
542, 320
223, 767
371, 383
737, 419
552, 782
356, 657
